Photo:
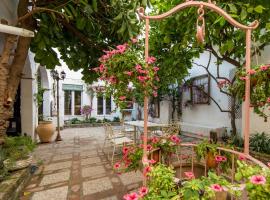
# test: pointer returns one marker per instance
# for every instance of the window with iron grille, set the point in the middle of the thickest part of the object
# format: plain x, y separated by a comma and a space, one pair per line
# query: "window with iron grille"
200, 89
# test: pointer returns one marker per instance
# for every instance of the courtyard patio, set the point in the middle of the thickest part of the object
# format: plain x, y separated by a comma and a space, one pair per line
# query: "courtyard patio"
77, 168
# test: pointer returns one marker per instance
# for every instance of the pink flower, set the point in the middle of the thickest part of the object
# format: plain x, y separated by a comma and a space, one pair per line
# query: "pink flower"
268, 100
121, 48
252, 71
143, 71
131, 196
138, 67
134, 40
112, 79
157, 79
152, 161
141, 78
117, 165
155, 94
122, 98
149, 147
155, 69
268, 164
243, 78
220, 159
151, 60
175, 139
216, 187
189, 175
263, 68
101, 68
129, 73
146, 170
241, 157
143, 191
258, 180
125, 150
155, 140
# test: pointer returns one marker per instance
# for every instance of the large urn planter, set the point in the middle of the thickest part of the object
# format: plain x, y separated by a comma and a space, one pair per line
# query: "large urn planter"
45, 131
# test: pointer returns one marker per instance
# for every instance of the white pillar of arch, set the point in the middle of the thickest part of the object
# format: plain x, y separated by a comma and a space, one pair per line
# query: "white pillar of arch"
29, 118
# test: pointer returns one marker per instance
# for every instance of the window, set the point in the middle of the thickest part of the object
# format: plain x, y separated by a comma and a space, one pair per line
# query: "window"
104, 105
68, 98
100, 105
72, 102
200, 89
108, 105
77, 102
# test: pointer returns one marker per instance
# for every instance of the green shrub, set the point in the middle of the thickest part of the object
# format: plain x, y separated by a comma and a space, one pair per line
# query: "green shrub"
259, 142
75, 121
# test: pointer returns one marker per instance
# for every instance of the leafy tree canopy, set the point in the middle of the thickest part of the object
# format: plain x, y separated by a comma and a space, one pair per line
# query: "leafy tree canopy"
80, 30
173, 40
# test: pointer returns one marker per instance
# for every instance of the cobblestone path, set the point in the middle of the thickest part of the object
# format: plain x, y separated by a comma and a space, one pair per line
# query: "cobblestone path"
77, 168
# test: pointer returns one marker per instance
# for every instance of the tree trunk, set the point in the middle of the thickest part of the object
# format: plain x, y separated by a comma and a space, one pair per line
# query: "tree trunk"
11, 68
233, 116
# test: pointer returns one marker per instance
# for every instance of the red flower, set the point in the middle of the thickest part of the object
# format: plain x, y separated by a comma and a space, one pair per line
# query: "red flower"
216, 187
121, 48
220, 159
263, 68
252, 71
155, 69
241, 157
175, 139
125, 150
155, 140
143, 191
117, 165
151, 60
258, 180
243, 78
122, 98
149, 147
131, 196
129, 73
138, 67
141, 78
189, 175
268, 100
146, 170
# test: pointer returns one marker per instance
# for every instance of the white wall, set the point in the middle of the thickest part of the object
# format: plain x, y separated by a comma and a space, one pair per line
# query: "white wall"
203, 116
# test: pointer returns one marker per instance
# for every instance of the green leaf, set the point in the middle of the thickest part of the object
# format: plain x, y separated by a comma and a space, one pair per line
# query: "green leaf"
80, 23
267, 26
243, 14
233, 8
94, 5
259, 9
119, 16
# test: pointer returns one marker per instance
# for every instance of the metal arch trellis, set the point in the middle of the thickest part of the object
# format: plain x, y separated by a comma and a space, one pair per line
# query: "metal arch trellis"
200, 37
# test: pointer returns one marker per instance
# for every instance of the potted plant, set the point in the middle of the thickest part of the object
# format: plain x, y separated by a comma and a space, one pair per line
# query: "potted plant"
208, 151
45, 128
17, 152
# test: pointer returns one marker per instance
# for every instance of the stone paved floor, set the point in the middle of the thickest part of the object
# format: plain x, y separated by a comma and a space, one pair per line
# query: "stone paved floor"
77, 168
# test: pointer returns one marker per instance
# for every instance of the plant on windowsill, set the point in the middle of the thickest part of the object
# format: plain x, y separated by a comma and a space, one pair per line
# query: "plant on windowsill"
45, 128
126, 74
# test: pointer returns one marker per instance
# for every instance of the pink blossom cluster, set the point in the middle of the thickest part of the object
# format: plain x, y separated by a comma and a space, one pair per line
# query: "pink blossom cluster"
220, 159
120, 49
189, 175
175, 139
223, 83
135, 196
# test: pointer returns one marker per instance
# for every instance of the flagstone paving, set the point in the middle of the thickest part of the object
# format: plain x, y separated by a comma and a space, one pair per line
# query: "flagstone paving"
77, 168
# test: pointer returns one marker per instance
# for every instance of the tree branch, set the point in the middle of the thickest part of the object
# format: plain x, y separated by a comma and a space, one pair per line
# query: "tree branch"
37, 10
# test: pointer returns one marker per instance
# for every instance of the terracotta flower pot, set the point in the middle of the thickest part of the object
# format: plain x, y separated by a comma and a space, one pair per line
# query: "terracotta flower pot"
210, 160
45, 131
